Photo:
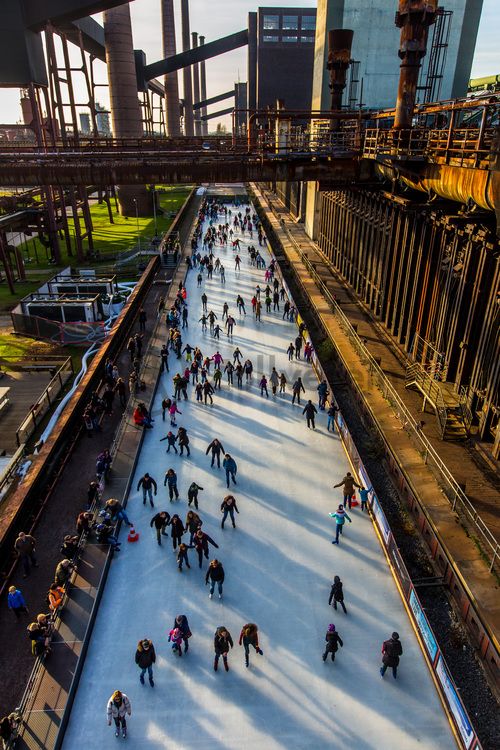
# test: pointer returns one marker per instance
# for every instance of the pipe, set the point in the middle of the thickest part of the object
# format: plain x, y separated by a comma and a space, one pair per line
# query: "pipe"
171, 81
187, 77
196, 87
413, 18
203, 85
339, 59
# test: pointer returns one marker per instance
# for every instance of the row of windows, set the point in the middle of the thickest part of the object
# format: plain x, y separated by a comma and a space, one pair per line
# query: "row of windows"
290, 23
275, 39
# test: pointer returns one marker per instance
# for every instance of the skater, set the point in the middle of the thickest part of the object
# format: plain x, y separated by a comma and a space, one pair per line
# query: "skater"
348, 484
177, 530
222, 643
166, 403
171, 441
274, 380
183, 440
217, 379
263, 387
160, 521
229, 369
310, 410
201, 540
322, 394
171, 479
230, 323
208, 391
230, 467
203, 321
298, 346
337, 594
216, 574
164, 360
216, 447
118, 708
333, 640
283, 382
340, 515
296, 389
249, 636
228, 506
236, 355
181, 622
148, 484
193, 523
363, 496
182, 556
145, 657
193, 494
173, 410
248, 366
332, 411
204, 300
391, 651
175, 638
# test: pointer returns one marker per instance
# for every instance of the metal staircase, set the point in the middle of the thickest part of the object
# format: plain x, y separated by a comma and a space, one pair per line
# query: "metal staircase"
450, 408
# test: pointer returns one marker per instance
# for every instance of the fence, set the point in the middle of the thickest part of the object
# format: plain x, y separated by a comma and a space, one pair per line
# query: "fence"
57, 332
44, 402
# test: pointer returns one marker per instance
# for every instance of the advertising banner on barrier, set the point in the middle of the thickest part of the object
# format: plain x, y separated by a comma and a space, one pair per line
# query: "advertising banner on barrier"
381, 520
461, 720
423, 626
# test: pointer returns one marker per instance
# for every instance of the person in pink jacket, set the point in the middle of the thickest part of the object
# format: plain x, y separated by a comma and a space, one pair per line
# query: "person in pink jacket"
173, 410
175, 638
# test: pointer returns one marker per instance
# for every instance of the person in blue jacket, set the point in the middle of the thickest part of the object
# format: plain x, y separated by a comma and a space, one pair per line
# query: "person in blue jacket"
181, 622
16, 602
340, 517
363, 496
229, 464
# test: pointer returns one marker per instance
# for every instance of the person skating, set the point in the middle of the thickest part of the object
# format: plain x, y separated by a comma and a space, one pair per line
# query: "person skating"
249, 636
230, 323
217, 378
363, 496
332, 411
230, 467
337, 594
229, 370
391, 651
236, 355
176, 530
16, 602
333, 640
173, 410
248, 369
298, 346
215, 574
274, 380
160, 521
182, 556
175, 638
193, 523
296, 389
222, 643
283, 382
228, 507
171, 480
201, 540
166, 403
171, 441
348, 484
183, 440
204, 300
340, 517
193, 494
203, 321
225, 310
208, 391
322, 394
148, 484
310, 410
145, 657
216, 447
263, 387
118, 708
181, 622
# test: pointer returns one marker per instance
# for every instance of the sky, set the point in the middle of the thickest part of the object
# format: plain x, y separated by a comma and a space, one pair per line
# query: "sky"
227, 16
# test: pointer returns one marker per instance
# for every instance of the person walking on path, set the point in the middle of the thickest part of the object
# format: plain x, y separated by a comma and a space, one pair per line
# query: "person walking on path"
348, 484
145, 657
193, 523
230, 467
171, 480
249, 636
215, 574
201, 540
160, 521
391, 651
193, 494
333, 640
296, 389
363, 496
340, 516
183, 439
142, 320
16, 602
181, 622
118, 708
24, 547
274, 379
176, 530
310, 410
148, 484
228, 507
216, 447
222, 643
263, 387
337, 594
332, 411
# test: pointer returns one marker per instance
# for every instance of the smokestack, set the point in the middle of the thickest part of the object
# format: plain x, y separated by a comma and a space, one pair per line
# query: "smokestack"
125, 107
413, 18
203, 80
188, 82
196, 88
172, 108
339, 57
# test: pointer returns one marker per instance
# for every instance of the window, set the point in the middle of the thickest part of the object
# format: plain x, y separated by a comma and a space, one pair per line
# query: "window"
271, 22
308, 23
289, 39
307, 39
269, 38
290, 22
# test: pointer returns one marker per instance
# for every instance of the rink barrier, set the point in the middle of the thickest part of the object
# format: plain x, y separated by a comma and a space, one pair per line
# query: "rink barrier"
464, 731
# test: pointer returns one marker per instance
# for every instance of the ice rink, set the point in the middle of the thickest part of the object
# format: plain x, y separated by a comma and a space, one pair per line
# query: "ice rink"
279, 564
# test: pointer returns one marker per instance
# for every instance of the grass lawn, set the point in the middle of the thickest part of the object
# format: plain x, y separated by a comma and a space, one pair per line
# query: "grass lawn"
14, 348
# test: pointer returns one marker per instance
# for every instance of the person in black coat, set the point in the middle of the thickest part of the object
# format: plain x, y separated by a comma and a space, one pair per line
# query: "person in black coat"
337, 594
181, 622
310, 410
228, 506
177, 530
215, 574
201, 540
160, 522
216, 447
333, 640
222, 643
145, 657
391, 651
183, 440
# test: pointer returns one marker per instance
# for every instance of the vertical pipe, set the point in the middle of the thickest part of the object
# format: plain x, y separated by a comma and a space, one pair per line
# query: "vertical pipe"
339, 58
172, 108
252, 61
187, 77
203, 85
196, 89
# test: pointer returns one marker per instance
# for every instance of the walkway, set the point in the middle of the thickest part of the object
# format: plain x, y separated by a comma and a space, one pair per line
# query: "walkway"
279, 565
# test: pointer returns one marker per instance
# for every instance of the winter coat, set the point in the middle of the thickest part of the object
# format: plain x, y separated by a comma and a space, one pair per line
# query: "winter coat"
229, 464
171, 479
159, 521
145, 658
249, 636
222, 644
336, 592
332, 641
183, 626
147, 483
62, 573
391, 651
55, 597
298, 387
15, 600
177, 527
227, 505
274, 378
193, 522
340, 517
25, 546
115, 711
309, 410
183, 437
173, 638
348, 484
215, 447
202, 542
215, 573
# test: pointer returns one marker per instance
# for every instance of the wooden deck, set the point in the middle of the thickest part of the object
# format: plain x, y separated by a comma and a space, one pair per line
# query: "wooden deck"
25, 388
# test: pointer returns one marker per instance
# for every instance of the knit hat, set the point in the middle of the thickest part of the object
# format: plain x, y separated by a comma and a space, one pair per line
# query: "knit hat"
331, 627
395, 636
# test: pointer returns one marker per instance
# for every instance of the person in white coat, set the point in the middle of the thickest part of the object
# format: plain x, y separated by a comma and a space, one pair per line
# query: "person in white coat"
118, 708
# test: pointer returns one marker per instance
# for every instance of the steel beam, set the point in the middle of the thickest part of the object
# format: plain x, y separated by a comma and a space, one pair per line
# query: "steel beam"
38, 13
219, 113
214, 99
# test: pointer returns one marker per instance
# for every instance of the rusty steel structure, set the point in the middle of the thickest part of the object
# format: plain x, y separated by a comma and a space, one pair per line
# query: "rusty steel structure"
339, 58
171, 82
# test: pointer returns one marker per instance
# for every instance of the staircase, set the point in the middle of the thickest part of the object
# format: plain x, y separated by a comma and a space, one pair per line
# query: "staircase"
450, 407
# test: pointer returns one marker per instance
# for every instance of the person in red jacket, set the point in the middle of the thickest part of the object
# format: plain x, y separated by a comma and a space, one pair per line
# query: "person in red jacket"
249, 636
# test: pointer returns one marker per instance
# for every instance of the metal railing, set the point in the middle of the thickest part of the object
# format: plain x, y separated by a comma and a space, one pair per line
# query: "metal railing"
457, 498
416, 375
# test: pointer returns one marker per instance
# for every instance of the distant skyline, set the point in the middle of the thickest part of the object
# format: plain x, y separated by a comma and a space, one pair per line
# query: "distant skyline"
227, 17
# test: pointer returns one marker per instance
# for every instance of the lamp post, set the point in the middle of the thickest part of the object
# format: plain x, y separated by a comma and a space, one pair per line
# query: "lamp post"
137, 222
154, 211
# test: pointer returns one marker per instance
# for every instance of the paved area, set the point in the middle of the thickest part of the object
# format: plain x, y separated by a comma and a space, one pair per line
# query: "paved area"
279, 565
